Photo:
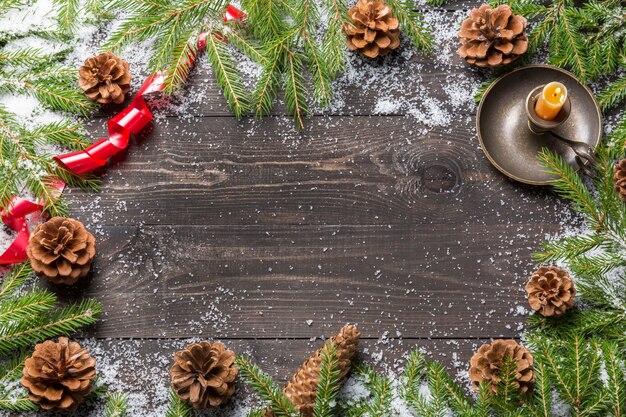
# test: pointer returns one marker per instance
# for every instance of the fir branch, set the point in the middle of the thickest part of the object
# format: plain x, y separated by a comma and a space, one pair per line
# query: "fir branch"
177, 407
542, 392
572, 48
181, 57
333, 42
295, 91
67, 14
616, 372
569, 247
570, 186
23, 57
247, 45
381, 391
12, 369
15, 279
265, 90
328, 382
265, 388
267, 16
25, 306
412, 23
613, 95
117, 405
65, 133
227, 75
18, 404
14, 336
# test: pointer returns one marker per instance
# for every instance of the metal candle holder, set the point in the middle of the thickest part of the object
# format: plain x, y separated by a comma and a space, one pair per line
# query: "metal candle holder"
540, 126
502, 124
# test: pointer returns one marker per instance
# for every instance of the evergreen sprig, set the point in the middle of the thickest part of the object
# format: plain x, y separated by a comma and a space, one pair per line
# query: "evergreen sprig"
329, 382
116, 405
266, 388
28, 315
177, 407
25, 163
587, 374
26, 166
32, 316
282, 36
588, 38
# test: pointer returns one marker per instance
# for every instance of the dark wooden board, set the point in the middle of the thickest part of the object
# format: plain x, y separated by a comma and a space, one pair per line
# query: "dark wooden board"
341, 170
268, 238
442, 280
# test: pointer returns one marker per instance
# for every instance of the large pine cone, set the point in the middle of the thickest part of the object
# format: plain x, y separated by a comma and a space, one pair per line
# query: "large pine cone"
61, 250
372, 30
58, 375
485, 365
619, 179
492, 37
550, 291
105, 78
302, 387
204, 374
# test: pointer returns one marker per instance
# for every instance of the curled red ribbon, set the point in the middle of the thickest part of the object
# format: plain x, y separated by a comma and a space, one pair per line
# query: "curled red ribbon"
15, 218
130, 121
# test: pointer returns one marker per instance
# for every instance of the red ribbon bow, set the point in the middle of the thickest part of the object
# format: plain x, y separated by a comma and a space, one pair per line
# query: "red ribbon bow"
131, 120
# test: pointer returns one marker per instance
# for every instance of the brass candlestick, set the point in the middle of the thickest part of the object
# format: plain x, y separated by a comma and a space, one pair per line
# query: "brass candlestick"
539, 126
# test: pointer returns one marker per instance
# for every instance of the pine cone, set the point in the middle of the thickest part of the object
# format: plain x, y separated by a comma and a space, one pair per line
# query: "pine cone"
302, 387
485, 365
204, 374
61, 250
619, 178
58, 375
492, 37
105, 78
372, 30
550, 291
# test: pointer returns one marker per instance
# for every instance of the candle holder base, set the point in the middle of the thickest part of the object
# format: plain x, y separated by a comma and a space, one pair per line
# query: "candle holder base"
512, 140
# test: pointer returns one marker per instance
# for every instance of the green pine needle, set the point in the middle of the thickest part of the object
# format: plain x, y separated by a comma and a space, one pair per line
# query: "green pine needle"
265, 388
117, 405
62, 322
19, 404
329, 382
177, 407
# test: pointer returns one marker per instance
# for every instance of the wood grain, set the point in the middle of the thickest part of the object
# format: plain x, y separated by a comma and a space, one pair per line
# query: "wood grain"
451, 281
342, 170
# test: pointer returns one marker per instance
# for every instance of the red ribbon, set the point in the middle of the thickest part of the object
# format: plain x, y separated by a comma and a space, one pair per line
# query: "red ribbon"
131, 120
15, 218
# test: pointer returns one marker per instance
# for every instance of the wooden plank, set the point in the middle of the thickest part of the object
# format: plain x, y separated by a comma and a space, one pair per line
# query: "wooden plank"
342, 170
282, 281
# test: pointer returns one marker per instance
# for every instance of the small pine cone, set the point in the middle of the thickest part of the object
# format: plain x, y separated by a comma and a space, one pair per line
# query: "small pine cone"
550, 291
302, 387
61, 250
105, 78
204, 374
485, 365
58, 375
492, 37
372, 30
619, 179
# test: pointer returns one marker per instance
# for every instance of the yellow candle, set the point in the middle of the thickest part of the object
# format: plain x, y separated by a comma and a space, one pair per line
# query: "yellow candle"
551, 100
